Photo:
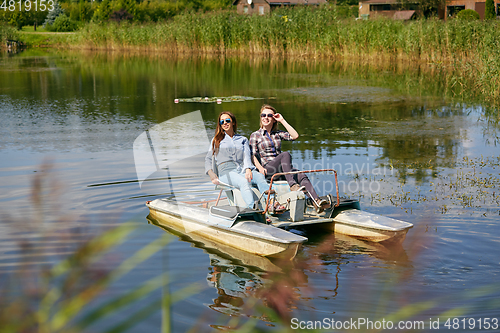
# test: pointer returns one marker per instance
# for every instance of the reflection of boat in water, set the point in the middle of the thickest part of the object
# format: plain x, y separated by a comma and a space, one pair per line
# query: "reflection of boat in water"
236, 280
248, 229
234, 283
235, 274
392, 252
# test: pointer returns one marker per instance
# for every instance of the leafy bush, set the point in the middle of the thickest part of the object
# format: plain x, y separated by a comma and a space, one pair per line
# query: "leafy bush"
7, 32
468, 15
148, 11
63, 24
127, 6
344, 11
489, 12
103, 12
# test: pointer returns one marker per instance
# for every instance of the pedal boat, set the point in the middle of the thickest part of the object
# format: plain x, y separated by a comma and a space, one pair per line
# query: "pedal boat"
264, 232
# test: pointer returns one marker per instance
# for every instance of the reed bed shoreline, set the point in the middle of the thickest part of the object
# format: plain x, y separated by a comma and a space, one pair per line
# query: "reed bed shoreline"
470, 49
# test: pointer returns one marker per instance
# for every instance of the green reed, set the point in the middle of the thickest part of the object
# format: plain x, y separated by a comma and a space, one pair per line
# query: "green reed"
292, 31
62, 298
7, 33
69, 292
470, 49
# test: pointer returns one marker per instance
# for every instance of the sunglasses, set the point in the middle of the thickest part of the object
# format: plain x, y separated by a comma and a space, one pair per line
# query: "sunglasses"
228, 120
268, 115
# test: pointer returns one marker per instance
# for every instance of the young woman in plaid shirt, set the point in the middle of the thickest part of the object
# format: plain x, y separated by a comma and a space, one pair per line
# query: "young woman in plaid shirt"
265, 145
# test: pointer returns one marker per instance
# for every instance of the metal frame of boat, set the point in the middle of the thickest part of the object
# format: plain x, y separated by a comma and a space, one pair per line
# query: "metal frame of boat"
226, 222
345, 217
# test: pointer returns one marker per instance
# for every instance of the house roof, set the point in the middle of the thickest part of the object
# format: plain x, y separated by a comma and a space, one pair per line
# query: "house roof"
296, 2
291, 2
403, 15
376, 2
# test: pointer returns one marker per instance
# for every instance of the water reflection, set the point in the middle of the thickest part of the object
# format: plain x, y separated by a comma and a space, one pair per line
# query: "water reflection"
233, 284
236, 275
392, 254
87, 110
242, 280
100, 101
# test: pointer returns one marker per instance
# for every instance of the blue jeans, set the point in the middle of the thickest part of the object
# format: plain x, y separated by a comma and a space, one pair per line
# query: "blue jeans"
238, 180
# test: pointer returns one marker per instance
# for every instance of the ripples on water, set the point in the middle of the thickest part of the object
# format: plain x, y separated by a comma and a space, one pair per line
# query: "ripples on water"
84, 120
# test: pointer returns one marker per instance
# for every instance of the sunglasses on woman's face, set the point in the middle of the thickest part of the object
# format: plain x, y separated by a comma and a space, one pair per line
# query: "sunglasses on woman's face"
227, 120
268, 115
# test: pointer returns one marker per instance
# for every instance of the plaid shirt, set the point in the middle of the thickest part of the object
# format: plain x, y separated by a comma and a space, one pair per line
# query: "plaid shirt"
261, 146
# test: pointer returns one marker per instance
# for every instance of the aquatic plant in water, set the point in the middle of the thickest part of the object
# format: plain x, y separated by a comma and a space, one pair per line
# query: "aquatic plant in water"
217, 99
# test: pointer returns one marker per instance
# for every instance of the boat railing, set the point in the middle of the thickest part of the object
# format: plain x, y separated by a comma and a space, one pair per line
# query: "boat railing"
302, 171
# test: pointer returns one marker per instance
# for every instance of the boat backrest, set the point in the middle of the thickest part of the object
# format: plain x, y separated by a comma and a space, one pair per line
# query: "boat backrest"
281, 187
236, 199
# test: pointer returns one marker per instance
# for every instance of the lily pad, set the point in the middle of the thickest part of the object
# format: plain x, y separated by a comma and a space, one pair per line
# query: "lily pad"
215, 99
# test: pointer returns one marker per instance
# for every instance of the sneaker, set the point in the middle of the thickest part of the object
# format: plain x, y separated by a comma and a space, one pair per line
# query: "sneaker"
276, 207
325, 203
297, 187
320, 205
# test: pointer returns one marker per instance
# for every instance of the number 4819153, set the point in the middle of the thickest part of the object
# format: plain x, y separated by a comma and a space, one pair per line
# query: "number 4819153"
472, 323
37, 5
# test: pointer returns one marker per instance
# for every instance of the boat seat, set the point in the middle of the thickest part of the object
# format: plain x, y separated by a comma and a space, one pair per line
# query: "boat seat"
227, 212
227, 215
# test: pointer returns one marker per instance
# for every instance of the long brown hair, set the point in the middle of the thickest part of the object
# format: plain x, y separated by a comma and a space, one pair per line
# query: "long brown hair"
269, 107
219, 132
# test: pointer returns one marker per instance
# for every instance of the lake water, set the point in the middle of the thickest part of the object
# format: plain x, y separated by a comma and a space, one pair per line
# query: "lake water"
403, 145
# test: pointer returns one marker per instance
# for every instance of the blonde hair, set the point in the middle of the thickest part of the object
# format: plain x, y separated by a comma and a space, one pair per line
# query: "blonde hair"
269, 107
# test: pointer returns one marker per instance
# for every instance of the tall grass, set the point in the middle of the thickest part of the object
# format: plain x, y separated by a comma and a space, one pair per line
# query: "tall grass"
470, 48
295, 31
7, 33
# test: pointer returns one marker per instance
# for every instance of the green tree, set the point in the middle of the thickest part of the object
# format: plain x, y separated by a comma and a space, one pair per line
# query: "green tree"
20, 18
103, 12
53, 14
85, 11
489, 12
63, 23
